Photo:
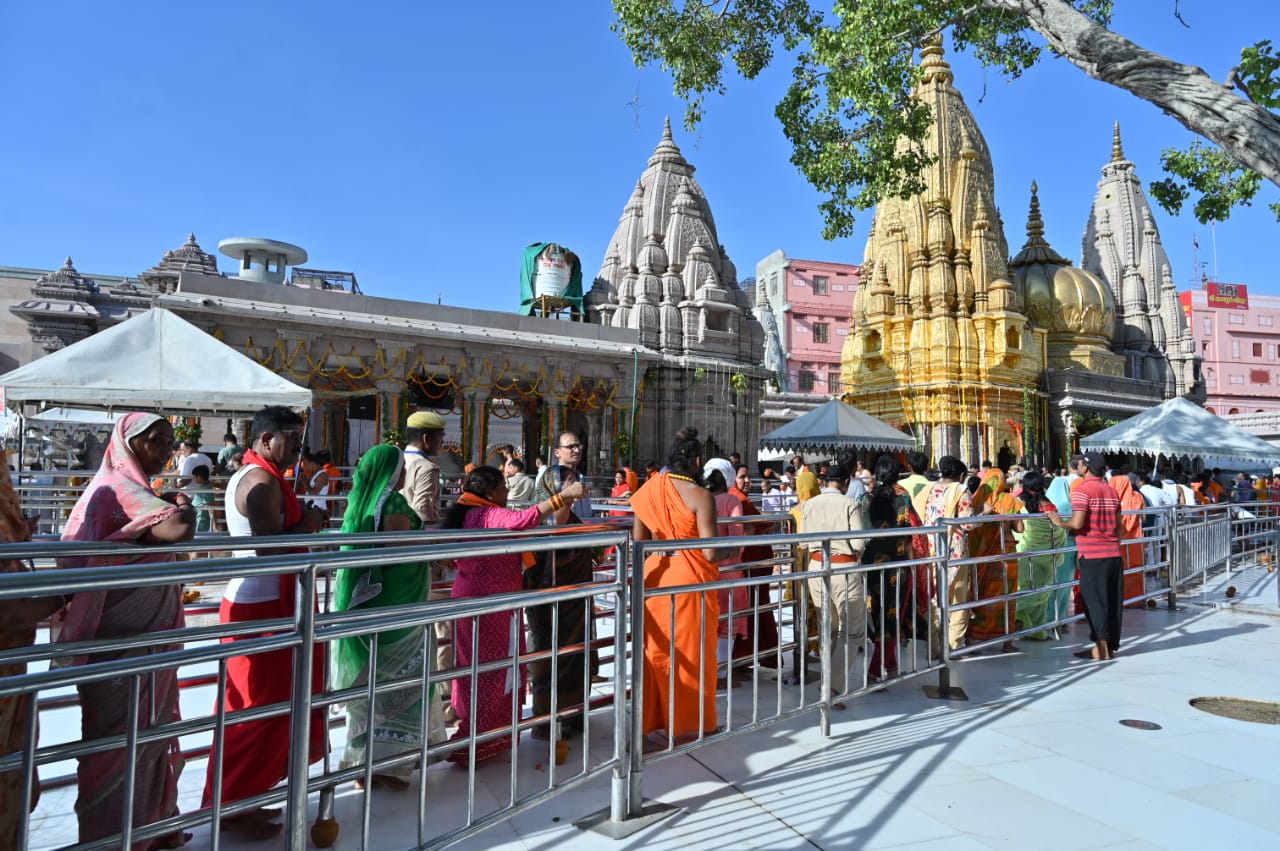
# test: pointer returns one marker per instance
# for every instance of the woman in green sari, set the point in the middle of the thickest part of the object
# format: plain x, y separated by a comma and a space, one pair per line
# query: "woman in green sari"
1039, 571
375, 505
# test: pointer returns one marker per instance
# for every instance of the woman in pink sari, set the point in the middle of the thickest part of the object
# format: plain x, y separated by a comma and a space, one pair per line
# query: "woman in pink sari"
120, 506
719, 475
483, 505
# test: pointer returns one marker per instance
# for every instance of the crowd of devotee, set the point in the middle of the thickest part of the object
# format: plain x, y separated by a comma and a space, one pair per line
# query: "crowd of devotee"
1071, 537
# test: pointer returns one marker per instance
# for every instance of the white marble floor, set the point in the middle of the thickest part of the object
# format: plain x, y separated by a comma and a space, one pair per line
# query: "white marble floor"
1035, 759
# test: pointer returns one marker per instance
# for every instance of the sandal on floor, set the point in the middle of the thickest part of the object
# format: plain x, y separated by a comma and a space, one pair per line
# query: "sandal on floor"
254, 825
174, 840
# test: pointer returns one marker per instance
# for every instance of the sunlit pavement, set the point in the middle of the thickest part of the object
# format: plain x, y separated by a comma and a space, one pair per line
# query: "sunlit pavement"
1036, 758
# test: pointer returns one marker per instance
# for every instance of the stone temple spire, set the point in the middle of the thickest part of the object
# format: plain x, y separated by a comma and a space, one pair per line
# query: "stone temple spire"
665, 273
1122, 247
938, 343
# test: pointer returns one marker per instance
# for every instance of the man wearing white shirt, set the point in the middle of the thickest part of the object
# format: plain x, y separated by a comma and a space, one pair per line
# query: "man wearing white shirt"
190, 457
1156, 497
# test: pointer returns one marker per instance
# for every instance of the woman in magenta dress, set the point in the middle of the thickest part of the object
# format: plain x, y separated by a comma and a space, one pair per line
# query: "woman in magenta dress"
488, 637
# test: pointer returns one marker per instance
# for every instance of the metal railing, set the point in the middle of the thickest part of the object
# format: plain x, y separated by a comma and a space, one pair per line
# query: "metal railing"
817, 603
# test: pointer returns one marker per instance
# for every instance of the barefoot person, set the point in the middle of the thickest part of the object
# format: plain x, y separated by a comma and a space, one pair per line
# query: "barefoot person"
119, 505
1096, 521
394, 726
260, 502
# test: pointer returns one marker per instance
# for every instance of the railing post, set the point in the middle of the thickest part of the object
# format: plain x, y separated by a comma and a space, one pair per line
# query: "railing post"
300, 710
1275, 561
620, 793
635, 606
824, 640
1175, 557
942, 567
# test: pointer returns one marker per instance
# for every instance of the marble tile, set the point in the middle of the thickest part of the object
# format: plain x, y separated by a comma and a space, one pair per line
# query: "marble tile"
1004, 813
1248, 800
1101, 796
1138, 755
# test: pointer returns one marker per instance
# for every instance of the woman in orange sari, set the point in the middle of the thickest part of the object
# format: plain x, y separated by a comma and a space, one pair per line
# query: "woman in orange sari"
1130, 529
675, 506
995, 578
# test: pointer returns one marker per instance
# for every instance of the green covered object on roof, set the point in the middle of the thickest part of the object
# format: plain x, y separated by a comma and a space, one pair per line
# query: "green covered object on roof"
552, 272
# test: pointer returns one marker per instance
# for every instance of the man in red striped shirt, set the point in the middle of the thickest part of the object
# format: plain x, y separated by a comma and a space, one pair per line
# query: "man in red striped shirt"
1095, 521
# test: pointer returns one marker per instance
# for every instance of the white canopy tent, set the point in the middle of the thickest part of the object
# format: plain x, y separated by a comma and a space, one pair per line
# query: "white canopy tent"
1180, 428
833, 426
155, 361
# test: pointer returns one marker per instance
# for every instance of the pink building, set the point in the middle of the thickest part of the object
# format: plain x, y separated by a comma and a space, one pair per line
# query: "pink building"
805, 307
1238, 335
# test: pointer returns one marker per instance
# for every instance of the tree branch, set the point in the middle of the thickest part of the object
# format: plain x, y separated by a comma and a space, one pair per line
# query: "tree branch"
1248, 132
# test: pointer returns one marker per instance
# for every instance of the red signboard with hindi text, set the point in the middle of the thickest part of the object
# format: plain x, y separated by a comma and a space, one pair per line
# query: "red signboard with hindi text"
1233, 296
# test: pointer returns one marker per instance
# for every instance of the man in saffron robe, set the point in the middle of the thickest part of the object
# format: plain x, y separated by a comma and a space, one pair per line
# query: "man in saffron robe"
259, 502
674, 506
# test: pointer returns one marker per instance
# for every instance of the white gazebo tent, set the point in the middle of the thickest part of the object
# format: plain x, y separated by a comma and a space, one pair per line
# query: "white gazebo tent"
833, 426
1179, 428
156, 361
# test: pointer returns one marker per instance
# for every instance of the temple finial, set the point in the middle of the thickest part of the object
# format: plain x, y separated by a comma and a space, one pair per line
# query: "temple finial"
1035, 224
1117, 150
666, 129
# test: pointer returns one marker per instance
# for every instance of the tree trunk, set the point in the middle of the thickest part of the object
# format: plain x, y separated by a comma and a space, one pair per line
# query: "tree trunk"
1248, 132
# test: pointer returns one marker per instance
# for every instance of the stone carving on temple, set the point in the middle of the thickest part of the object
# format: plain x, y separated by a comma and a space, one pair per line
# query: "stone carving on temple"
62, 310
1122, 247
188, 257
665, 273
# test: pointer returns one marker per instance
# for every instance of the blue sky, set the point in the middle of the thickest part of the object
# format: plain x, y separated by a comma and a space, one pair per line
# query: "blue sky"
423, 144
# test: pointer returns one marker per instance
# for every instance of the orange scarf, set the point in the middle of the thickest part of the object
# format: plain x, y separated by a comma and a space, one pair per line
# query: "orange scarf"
470, 500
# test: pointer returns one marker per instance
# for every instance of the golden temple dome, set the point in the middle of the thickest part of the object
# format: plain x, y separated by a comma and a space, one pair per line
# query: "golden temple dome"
1059, 297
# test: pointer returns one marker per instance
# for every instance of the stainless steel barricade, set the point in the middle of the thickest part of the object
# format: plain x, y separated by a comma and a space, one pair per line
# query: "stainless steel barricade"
1201, 541
782, 681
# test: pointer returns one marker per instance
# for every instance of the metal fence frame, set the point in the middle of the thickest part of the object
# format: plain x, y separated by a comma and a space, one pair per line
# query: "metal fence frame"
627, 759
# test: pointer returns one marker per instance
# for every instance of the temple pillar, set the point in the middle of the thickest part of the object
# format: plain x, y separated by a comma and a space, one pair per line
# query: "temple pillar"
388, 413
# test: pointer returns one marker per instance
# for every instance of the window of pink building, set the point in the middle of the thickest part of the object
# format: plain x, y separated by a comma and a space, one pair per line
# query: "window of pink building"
1257, 350
820, 286
807, 380
821, 332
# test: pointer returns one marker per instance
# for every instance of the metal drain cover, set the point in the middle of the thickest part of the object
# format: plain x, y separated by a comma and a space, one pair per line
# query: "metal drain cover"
1141, 725
1240, 708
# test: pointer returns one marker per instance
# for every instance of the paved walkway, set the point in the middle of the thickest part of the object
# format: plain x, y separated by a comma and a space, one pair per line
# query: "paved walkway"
1036, 758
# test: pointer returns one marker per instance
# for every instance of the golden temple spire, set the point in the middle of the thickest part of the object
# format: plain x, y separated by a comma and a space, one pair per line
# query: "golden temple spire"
1036, 249
1117, 150
1035, 224
932, 65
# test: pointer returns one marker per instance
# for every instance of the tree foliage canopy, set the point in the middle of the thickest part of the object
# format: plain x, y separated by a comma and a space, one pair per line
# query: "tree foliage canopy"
854, 69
